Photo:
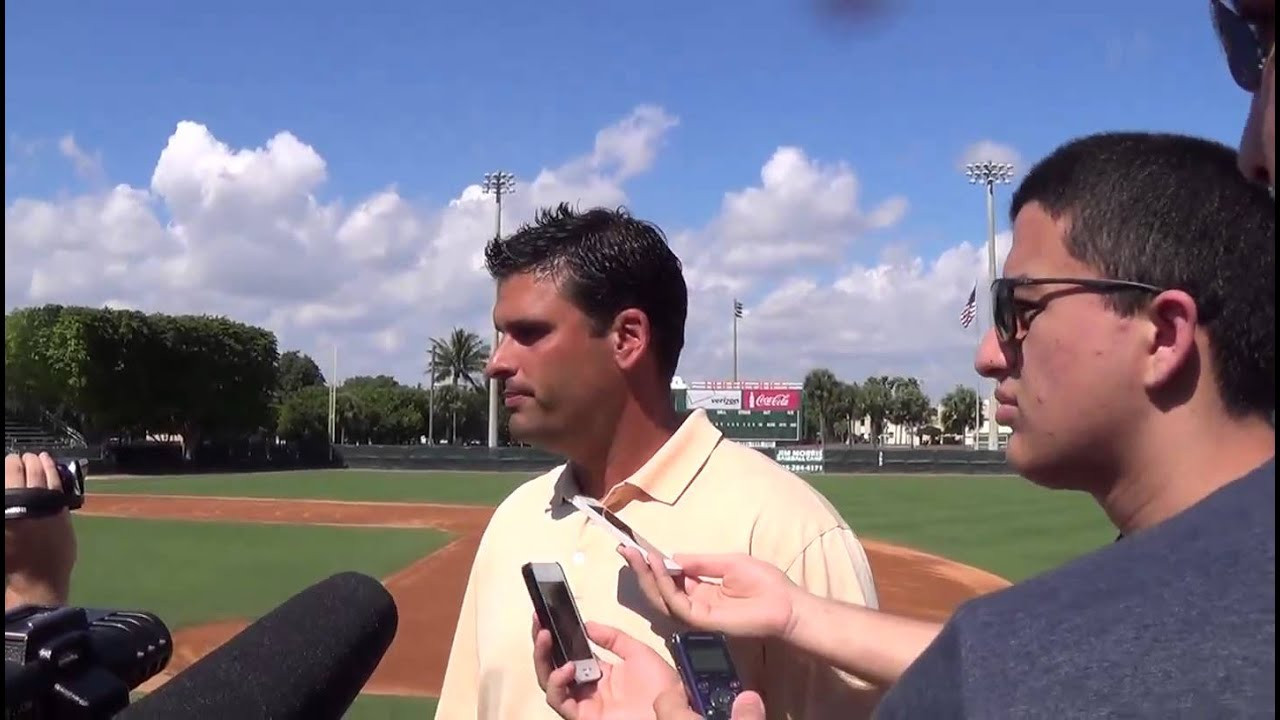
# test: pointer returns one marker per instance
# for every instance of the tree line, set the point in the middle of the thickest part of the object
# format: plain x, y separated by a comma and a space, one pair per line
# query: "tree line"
124, 376
833, 408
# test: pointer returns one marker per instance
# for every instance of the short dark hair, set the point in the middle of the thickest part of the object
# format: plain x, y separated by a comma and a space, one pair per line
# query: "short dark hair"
1175, 212
605, 262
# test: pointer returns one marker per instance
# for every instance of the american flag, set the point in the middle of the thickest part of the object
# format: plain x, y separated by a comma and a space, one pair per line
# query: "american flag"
970, 308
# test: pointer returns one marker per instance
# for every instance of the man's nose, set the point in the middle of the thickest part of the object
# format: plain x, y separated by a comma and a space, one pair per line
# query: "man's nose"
992, 360
498, 366
1253, 156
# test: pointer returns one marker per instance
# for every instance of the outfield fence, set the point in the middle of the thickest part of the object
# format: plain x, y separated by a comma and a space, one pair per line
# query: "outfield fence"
809, 460
861, 459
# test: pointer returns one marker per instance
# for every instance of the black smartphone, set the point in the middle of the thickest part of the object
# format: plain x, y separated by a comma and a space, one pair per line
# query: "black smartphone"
553, 602
707, 671
40, 502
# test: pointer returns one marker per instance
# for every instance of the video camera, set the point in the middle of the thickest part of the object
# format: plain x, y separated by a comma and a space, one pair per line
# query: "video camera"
70, 662
22, 503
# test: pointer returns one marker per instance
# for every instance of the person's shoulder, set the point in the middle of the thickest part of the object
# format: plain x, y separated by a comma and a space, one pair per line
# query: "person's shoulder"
779, 489
534, 493
789, 514
1220, 551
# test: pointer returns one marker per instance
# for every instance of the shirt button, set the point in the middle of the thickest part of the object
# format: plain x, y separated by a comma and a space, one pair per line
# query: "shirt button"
579, 558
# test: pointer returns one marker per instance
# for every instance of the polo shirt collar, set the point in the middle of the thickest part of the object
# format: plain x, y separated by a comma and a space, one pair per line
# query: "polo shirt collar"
666, 475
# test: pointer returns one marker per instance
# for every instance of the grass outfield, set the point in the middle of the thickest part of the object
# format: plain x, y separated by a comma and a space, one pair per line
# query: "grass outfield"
454, 488
998, 523
197, 572
390, 707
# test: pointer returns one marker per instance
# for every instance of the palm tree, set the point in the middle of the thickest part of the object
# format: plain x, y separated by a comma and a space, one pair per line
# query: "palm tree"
460, 355
822, 399
877, 401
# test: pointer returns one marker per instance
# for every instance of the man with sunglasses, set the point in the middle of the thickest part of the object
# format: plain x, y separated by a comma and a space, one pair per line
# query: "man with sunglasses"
1134, 350
1247, 32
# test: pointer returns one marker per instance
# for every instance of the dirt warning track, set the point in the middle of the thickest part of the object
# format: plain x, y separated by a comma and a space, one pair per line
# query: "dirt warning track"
429, 591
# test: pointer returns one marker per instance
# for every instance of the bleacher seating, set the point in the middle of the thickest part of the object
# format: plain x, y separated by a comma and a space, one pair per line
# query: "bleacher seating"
22, 436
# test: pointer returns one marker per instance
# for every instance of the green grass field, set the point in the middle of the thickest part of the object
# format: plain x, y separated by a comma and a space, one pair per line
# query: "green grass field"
198, 572
999, 523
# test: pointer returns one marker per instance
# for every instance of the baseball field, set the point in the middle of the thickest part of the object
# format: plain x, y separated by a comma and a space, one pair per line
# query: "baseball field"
211, 553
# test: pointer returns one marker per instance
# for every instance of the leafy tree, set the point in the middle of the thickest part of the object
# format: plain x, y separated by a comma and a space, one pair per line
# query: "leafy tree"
909, 406
296, 371
119, 372
304, 415
959, 410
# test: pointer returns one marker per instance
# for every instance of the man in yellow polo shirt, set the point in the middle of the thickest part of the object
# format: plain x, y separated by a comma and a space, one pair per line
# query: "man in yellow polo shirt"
592, 306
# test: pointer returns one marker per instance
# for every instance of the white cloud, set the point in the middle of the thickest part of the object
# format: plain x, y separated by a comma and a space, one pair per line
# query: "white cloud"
985, 150
241, 232
87, 165
802, 212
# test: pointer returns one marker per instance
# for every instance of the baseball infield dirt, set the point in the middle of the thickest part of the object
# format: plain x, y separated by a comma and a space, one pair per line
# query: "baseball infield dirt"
429, 591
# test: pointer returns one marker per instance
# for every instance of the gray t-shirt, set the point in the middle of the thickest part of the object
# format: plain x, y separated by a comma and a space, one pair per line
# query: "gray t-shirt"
1178, 621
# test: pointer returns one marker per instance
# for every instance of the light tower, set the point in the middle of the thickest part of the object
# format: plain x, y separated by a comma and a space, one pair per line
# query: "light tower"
497, 184
989, 174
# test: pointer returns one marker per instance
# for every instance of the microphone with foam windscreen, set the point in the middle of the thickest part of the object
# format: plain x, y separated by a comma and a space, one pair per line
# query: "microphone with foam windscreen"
308, 658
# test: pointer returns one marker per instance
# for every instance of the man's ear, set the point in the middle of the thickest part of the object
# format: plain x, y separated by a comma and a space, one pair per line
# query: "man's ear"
1171, 345
631, 334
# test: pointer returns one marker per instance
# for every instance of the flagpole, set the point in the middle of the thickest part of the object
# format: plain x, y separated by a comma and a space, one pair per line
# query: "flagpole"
737, 314
972, 307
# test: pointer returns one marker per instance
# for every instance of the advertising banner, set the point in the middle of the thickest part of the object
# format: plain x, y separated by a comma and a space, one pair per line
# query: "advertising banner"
771, 400
713, 399
801, 460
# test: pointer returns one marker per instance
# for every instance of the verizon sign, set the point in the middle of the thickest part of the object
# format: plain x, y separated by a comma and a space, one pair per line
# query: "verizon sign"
771, 400
714, 399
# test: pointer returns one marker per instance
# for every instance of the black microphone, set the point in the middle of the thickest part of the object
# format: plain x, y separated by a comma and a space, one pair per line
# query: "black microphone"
308, 658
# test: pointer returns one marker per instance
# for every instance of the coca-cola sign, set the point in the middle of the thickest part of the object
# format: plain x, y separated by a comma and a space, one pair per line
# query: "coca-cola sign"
771, 400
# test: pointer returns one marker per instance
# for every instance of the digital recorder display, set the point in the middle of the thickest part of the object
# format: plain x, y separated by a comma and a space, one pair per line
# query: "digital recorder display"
708, 658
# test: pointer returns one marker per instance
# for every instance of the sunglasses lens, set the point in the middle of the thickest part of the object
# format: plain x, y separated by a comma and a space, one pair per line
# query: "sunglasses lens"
1241, 46
1004, 318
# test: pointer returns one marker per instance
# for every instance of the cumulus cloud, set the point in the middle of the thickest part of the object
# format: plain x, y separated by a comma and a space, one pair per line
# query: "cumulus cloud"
242, 232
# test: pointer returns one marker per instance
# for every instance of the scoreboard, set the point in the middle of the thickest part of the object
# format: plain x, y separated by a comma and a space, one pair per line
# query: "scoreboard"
748, 410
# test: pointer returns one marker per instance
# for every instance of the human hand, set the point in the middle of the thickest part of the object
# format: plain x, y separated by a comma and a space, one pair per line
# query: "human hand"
39, 553
673, 704
626, 689
751, 599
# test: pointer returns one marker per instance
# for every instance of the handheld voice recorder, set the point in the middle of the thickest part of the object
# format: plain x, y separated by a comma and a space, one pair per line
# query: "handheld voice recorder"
707, 671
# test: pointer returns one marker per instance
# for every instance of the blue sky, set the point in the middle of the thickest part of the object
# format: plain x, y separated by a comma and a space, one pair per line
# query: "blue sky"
425, 97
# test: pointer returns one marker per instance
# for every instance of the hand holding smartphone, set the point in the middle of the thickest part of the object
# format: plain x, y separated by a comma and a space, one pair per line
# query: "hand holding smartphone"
557, 612
612, 524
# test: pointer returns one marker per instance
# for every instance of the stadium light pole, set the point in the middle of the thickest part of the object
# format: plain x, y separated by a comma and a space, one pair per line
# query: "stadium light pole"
497, 184
333, 403
989, 174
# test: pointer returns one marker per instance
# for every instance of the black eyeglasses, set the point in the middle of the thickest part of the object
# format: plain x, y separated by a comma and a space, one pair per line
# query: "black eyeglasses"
1009, 314
1242, 45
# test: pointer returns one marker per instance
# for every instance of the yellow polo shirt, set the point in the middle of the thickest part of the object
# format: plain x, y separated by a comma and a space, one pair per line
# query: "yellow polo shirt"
700, 493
